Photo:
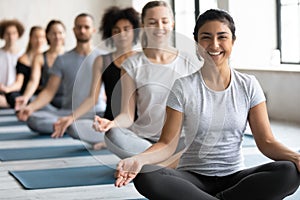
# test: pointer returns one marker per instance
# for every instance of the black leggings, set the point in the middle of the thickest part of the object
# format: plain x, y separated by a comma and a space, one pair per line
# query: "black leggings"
11, 97
271, 181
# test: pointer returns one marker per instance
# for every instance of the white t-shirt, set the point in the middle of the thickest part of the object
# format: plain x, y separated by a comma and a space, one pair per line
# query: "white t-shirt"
8, 64
214, 121
154, 82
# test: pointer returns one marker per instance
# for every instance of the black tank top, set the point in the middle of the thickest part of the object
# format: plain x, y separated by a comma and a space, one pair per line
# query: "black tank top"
57, 100
26, 71
110, 76
45, 71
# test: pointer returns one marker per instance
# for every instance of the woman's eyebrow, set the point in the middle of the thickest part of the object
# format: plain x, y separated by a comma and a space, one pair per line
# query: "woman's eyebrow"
219, 33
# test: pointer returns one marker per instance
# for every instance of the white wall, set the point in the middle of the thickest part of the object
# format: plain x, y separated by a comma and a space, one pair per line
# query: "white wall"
256, 39
256, 32
282, 90
256, 28
40, 12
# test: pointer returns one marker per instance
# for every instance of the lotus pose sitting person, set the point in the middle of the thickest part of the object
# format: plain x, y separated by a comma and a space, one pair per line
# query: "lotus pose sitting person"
212, 108
146, 80
37, 41
10, 32
42, 63
74, 65
119, 28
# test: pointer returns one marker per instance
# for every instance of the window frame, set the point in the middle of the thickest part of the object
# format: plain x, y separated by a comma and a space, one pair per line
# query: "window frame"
279, 20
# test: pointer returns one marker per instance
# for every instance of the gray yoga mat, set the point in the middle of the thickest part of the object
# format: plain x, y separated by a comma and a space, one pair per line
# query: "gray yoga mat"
7, 112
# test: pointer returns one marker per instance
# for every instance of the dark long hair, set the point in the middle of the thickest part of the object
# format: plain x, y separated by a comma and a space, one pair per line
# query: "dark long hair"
52, 23
32, 30
212, 15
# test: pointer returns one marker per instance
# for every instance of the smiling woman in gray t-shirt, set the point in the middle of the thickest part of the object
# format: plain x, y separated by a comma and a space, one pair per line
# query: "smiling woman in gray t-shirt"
211, 108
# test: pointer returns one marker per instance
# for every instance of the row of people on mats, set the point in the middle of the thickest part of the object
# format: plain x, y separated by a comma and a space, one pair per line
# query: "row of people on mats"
174, 120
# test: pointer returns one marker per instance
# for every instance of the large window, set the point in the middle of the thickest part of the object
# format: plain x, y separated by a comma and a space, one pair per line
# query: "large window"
289, 30
187, 11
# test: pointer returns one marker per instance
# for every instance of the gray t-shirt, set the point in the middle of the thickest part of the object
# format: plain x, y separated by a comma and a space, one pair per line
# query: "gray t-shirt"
75, 72
214, 121
154, 82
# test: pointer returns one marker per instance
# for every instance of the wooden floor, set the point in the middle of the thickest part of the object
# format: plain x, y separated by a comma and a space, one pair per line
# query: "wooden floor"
10, 189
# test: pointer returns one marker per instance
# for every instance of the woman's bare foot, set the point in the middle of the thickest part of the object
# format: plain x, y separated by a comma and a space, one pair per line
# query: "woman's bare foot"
98, 146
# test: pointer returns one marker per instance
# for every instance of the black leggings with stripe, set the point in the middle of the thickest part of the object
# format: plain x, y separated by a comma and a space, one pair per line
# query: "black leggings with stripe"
271, 181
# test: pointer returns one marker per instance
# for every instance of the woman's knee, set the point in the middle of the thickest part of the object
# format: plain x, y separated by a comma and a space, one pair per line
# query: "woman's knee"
150, 172
40, 126
145, 180
116, 143
290, 176
112, 134
111, 137
138, 180
289, 173
72, 131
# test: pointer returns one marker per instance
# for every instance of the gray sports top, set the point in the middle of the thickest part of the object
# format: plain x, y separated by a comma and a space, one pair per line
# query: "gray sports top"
214, 121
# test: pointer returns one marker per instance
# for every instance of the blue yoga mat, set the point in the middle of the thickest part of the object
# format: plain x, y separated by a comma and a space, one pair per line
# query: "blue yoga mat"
26, 135
33, 153
65, 177
12, 123
22, 136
